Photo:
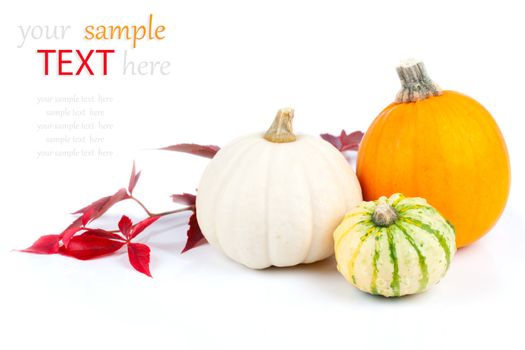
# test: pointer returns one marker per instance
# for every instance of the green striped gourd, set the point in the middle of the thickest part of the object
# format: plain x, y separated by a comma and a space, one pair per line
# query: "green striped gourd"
394, 246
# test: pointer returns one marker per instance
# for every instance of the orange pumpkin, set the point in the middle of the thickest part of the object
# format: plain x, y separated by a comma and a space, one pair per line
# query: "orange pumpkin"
439, 145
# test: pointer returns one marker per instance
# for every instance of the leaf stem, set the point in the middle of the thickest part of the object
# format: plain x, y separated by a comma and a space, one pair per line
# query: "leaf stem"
188, 208
142, 205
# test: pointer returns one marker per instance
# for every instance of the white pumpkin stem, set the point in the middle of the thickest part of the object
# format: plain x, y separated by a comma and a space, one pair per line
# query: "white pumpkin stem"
416, 85
384, 215
281, 130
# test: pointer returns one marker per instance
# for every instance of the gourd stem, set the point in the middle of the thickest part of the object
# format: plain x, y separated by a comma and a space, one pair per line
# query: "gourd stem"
384, 215
281, 130
416, 85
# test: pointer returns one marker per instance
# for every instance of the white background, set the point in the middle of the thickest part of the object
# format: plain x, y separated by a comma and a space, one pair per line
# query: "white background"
233, 64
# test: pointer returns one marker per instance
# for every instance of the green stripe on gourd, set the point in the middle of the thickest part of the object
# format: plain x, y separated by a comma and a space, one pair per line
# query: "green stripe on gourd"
404, 209
395, 199
373, 285
423, 281
348, 230
441, 239
412, 249
362, 240
393, 258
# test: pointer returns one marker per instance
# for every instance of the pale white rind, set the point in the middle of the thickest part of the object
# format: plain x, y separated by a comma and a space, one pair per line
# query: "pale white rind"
265, 203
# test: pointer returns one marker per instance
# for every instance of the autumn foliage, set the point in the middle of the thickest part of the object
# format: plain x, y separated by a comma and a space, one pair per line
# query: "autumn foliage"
82, 240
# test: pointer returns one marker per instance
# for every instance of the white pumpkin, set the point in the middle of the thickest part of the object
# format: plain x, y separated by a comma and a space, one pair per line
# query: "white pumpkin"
275, 198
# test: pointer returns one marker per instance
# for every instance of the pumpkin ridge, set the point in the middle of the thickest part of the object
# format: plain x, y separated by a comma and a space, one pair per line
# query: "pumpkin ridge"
240, 142
311, 207
374, 157
423, 281
234, 148
241, 154
393, 258
363, 238
415, 156
334, 175
365, 207
456, 107
409, 207
257, 152
273, 168
396, 202
465, 105
321, 149
267, 210
373, 284
380, 132
353, 215
342, 182
435, 233
344, 234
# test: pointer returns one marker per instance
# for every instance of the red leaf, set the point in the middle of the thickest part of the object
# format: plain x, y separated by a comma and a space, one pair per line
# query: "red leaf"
141, 226
76, 223
124, 225
91, 212
97, 232
69, 232
87, 216
85, 247
138, 255
350, 141
344, 142
207, 151
133, 179
195, 236
99, 207
185, 198
334, 140
48, 244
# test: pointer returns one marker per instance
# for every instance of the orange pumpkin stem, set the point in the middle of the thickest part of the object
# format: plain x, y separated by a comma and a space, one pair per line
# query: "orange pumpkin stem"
281, 130
416, 85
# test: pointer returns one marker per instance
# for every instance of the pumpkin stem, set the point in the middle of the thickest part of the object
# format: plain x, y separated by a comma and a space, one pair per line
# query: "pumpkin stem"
281, 130
416, 85
384, 215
